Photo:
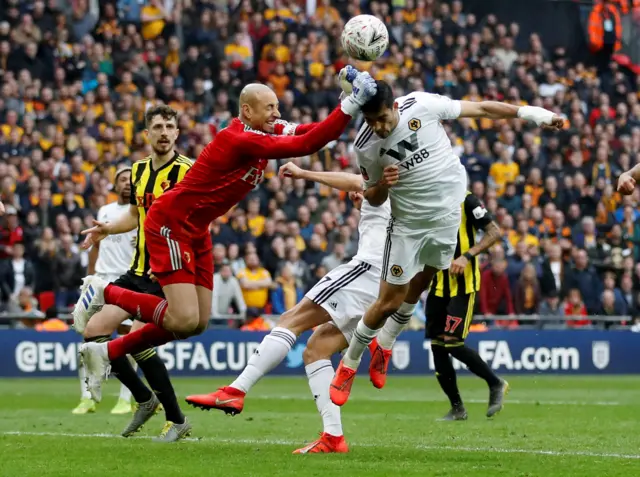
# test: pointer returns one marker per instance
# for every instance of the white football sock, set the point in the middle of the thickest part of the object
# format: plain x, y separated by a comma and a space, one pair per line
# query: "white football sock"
82, 374
362, 337
320, 375
125, 394
395, 324
270, 353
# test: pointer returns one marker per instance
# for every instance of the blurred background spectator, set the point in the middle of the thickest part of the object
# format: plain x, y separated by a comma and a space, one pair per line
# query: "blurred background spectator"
77, 76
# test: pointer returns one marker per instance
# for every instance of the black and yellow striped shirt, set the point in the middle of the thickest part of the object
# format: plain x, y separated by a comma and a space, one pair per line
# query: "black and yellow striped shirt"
148, 184
474, 217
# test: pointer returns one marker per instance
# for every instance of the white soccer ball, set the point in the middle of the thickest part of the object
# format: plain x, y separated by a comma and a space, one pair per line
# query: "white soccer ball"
365, 38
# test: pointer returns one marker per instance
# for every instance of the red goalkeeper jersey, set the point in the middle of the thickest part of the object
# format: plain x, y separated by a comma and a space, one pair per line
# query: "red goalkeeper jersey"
230, 167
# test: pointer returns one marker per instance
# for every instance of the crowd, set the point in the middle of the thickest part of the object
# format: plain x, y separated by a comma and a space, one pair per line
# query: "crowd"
76, 77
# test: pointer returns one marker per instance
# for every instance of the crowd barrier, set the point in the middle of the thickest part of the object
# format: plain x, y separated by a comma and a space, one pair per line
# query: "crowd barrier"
26, 353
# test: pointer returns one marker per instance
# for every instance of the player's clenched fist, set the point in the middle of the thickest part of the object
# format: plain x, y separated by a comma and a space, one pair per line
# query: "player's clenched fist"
626, 184
290, 170
356, 198
390, 176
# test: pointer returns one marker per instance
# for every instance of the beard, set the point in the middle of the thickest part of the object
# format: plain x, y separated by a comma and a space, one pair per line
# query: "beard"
162, 148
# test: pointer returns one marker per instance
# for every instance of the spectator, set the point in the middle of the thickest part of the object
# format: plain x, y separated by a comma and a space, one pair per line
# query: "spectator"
585, 278
628, 295
227, 294
255, 321
552, 306
286, 293
67, 273
575, 307
495, 292
255, 282
16, 274
527, 294
555, 274
337, 258
11, 233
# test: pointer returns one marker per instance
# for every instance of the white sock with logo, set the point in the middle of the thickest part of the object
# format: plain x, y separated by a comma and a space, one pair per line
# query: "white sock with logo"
82, 374
270, 353
395, 324
362, 337
320, 375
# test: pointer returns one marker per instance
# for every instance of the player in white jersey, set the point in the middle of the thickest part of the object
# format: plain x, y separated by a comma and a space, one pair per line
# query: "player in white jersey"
404, 144
110, 259
334, 305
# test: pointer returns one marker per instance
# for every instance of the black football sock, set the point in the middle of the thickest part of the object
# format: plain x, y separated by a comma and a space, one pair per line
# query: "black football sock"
475, 363
158, 378
446, 374
122, 369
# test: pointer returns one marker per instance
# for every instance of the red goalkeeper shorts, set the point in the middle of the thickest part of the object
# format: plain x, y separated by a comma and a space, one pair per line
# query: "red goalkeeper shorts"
176, 260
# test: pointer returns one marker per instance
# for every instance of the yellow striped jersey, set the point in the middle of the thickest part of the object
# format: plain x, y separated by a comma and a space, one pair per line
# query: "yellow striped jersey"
474, 217
147, 185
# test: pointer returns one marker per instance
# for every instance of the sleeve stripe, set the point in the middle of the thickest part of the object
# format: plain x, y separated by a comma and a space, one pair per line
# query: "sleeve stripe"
363, 138
407, 104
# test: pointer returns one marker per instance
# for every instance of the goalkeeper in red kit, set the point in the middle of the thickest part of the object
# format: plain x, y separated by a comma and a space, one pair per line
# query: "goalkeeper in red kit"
177, 225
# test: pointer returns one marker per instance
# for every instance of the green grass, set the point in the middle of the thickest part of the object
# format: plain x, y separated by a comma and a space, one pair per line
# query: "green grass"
551, 426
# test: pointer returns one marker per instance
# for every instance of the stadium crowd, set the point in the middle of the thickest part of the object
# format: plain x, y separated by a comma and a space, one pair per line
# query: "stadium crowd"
76, 77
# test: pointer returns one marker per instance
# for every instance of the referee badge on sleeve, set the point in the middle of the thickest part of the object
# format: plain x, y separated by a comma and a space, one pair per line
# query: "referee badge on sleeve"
396, 270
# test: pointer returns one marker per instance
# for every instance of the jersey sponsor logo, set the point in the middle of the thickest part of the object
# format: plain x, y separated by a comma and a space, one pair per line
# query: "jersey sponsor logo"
396, 270
145, 200
414, 124
400, 151
364, 173
253, 176
479, 212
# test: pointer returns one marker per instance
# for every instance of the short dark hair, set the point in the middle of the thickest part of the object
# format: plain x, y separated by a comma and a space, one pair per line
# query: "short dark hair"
382, 99
163, 110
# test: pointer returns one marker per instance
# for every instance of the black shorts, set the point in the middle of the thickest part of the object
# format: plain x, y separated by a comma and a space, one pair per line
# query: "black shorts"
135, 283
449, 316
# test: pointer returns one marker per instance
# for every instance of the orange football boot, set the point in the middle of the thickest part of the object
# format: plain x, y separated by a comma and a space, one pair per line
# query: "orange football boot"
327, 444
379, 365
341, 384
227, 399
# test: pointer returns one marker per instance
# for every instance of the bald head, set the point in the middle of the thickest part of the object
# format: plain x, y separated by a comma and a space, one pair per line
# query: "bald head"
259, 107
251, 93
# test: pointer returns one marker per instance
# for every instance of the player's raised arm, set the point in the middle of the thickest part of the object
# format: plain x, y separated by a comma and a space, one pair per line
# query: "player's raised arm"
259, 104
498, 110
343, 181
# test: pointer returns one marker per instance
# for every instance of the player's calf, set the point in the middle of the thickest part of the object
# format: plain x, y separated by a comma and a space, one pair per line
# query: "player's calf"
446, 374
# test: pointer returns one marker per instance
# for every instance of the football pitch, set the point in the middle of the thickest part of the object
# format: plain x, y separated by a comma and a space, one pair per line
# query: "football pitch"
551, 426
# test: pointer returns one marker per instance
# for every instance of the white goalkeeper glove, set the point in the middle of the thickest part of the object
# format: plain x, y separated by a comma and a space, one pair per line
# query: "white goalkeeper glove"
364, 88
345, 78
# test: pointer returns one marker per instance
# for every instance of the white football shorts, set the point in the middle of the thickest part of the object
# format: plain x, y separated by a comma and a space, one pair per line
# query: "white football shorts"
409, 248
346, 292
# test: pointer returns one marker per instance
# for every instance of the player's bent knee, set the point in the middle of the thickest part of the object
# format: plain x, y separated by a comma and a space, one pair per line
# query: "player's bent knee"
183, 324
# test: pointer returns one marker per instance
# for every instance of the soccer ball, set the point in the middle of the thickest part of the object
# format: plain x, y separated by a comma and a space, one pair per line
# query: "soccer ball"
365, 38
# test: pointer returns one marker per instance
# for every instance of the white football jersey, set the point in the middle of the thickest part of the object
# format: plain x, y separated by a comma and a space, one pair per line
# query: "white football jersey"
116, 251
372, 230
433, 182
